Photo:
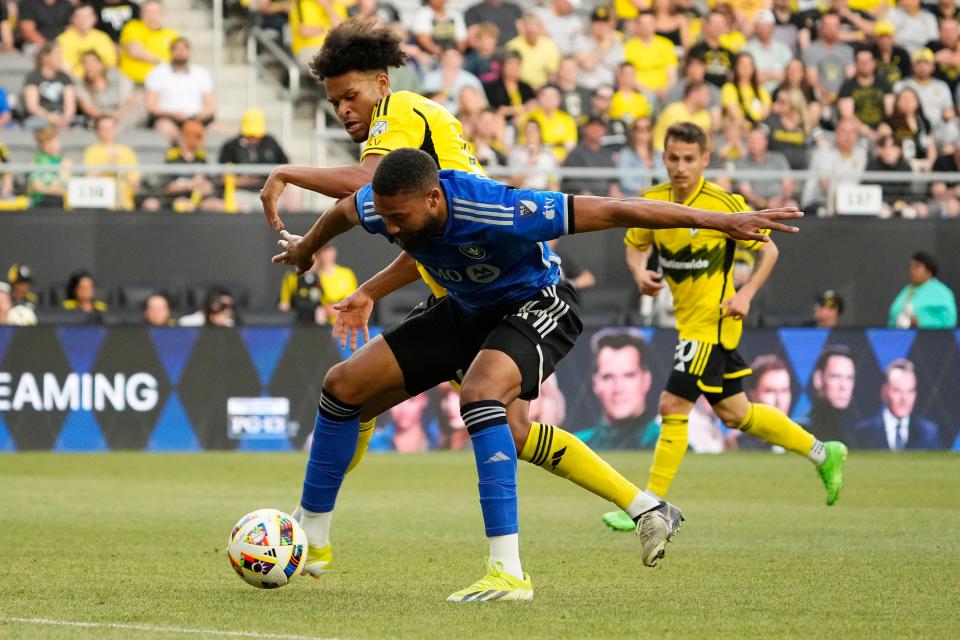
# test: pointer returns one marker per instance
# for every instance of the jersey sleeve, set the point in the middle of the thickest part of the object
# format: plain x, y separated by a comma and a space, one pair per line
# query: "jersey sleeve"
638, 238
369, 219
394, 125
541, 215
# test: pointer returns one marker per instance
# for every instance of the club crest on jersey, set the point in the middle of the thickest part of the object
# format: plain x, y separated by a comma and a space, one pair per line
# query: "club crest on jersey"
527, 208
694, 232
378, 129
473, 251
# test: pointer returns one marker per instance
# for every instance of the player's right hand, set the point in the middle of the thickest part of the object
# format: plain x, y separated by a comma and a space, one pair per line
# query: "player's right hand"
270, 197
649, 283
295, 253
354, 312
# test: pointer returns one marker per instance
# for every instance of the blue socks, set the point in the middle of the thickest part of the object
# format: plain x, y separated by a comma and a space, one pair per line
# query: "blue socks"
334, 442
496, 457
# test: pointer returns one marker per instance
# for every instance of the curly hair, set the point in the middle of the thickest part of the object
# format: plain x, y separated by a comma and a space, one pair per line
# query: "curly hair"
357, 44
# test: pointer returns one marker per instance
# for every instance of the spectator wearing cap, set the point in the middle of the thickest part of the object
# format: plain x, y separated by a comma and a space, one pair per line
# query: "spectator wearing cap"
49, 97
628, 102
437, 27
836, 164
693, 108
156, 310
47, 187
254, 146
562, 24
591, 153
177, 91
557, 127
829, 61
539, 55
145, 42
925, 303
866, 96
108, 152
445, 82
766, 193
80, 37
827, 309
574, 97
310, 20
719, 59
654, 58
770, 55
510, 95
599, 51
914, 27
20, 277
113, 15
502, 13
41, 21
935, 96
899, 198
482, 60
946, 195
893, 61
82, 297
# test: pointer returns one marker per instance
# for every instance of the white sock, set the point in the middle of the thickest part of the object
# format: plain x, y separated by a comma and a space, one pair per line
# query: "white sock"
644, 501
506, 550
818, 453
316, 526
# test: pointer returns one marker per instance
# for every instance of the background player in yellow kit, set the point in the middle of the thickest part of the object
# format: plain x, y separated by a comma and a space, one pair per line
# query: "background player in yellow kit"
698, 267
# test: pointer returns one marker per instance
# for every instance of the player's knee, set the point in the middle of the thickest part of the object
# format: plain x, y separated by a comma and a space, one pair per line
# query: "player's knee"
672, 405
342, 386
473, 392
732, 417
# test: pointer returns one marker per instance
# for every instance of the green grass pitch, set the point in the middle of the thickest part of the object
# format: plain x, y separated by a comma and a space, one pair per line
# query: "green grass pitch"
138, 539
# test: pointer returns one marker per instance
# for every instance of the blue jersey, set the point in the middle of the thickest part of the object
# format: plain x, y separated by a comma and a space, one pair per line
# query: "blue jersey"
492, 250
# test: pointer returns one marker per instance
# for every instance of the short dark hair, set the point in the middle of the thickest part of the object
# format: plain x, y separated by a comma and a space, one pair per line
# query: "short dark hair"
691, 87
617, 340
763, 364
928, 261
357, 45
404, 171
74, 281
687, 132
830, 351
156, 294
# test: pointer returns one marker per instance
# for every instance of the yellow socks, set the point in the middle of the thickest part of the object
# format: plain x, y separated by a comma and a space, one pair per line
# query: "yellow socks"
564, 455
363, 441
671, 447
773, 426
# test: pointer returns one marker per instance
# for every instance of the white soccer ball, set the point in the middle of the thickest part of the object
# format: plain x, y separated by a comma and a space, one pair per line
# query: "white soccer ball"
267, 548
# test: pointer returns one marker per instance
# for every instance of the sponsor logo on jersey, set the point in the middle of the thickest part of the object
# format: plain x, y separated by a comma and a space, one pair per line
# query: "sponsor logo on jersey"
527, 208
378, 129
473, 251
548, 210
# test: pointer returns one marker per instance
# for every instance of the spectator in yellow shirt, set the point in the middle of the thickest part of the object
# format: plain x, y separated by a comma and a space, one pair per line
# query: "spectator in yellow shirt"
310, 20
145, 43
557, 127
106, 152
628, 104
693, 108
744, 97
539, 55
315, 292
653, 56
81, 37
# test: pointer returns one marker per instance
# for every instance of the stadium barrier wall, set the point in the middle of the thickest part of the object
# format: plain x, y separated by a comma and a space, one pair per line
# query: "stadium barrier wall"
865, 260
256, 388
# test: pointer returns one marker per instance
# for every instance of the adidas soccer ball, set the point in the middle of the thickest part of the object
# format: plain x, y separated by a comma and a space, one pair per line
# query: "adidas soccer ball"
266, 548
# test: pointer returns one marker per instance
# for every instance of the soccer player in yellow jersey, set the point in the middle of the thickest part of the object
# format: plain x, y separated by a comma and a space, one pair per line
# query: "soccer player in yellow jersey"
353, 65
698, 267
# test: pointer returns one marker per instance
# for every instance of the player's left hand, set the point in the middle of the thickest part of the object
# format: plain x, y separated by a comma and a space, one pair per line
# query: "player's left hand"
737, 306
354, 312
749, 226
295, 253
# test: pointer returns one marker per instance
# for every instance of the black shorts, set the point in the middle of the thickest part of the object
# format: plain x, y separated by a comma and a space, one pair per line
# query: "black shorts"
699, 367
438, 341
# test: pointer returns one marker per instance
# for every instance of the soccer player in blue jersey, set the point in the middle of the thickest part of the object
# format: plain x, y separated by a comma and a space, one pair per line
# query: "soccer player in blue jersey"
506, 322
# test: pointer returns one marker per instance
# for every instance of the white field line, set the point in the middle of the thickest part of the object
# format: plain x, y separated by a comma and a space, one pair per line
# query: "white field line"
149, 628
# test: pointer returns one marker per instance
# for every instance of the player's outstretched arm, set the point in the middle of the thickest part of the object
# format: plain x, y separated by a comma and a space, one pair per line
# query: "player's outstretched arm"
594, 213
298, 251
356, 308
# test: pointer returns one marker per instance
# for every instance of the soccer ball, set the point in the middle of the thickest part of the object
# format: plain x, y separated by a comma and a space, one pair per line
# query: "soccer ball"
266, 548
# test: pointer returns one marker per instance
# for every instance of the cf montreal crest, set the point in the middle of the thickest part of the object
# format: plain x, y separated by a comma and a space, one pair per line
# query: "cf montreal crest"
527, 208
473, 251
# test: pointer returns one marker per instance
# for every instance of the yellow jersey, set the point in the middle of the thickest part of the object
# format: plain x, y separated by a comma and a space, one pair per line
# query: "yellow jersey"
308, 13
156, 42
538, 61
334, 287
73, 46
556, 130
674, 113
652, 61
629, 106
746, 102
697, 265
408, 120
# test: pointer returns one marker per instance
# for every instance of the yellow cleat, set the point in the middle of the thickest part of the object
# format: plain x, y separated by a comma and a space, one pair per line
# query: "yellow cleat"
319, 561
496, 585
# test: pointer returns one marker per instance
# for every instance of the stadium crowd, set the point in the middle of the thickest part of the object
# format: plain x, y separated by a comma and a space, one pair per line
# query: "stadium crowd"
833, 86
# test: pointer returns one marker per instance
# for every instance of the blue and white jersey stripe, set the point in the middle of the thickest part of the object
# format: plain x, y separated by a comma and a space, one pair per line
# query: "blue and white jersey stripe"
493, 248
